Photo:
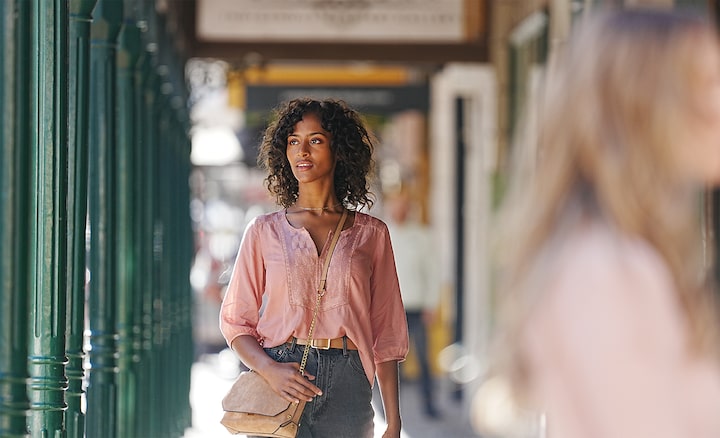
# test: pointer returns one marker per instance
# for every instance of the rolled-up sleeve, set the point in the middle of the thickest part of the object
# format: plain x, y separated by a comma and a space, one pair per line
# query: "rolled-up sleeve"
387, 314
240, 309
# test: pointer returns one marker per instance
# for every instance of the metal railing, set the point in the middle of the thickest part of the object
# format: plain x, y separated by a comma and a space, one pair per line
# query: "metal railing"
95, 322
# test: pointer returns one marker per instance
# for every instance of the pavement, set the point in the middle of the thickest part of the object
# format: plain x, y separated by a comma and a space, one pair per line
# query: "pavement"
213, 374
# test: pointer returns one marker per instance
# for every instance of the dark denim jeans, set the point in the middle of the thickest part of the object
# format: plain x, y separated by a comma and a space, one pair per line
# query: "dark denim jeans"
344, 410
419, 339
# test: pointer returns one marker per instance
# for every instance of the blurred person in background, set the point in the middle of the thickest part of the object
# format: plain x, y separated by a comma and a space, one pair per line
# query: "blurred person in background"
419, 285
318, 155
609, 321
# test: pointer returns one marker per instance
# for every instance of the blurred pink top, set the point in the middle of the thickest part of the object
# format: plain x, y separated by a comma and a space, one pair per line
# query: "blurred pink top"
362, 300
607, 347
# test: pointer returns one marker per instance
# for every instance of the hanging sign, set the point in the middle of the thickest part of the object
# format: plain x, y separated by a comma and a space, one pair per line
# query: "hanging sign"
366, 21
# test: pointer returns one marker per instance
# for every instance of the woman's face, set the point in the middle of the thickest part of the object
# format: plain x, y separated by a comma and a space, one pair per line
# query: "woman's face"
308, 151
700, 153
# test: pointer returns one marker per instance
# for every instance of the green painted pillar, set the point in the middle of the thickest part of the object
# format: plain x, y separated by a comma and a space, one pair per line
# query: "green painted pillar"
148, 397
144, 204
79, 71
102, 387
181, 250
176, 350
187, 252
129, 280
177, 347
182, 256
157, 311
166, 319
162, 396
48, 217
170, 346
163, 318
140, 227
14, 232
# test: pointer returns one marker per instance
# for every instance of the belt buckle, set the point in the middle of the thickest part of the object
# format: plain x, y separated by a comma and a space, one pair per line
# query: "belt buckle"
326, 346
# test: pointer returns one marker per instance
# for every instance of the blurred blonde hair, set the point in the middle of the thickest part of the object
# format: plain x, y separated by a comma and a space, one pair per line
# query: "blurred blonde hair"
613, 113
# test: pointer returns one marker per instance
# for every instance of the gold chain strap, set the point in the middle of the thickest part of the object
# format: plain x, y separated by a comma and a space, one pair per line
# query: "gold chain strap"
310, 333
321, 290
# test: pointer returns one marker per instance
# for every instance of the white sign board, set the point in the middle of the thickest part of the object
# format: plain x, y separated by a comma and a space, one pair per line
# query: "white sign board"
367, 21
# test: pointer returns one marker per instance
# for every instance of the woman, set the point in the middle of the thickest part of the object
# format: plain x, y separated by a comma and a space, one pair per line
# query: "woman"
610, 329
318, 156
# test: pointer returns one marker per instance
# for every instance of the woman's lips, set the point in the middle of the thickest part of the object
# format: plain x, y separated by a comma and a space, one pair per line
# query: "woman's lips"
303, 165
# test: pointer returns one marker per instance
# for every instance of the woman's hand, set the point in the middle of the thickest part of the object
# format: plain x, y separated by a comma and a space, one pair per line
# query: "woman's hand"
286, 380
392, 432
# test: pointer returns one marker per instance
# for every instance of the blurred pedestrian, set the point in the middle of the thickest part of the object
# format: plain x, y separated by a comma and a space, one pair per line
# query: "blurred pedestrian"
610, 328
318, 155
416, 267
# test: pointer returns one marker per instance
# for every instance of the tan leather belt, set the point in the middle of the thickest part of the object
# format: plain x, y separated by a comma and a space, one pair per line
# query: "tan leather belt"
325, 344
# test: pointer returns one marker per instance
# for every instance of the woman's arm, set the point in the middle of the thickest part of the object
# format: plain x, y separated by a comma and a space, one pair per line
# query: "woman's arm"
387, 373
389, 330
284, 378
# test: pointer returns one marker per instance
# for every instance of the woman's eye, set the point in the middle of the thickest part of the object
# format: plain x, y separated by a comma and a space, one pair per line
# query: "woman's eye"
292, 141
315, 141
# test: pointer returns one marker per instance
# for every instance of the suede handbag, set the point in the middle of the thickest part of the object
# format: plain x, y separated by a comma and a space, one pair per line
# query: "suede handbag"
251, 406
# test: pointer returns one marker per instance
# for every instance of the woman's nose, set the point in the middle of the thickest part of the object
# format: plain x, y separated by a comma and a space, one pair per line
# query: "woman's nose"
303, 148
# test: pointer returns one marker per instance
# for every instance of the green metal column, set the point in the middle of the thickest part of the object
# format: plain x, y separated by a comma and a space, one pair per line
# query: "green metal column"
180, 252
165, 318
14, 193
129, 280
144, 220
102, 387
157, 310
171, 347
162, 316
152, 200
48, 217
186, 253
140, 287
148, 398
79, 70
176, 347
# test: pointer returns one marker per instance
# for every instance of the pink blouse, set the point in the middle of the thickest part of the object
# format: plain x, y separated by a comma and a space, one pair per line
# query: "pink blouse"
272, 291
607, 347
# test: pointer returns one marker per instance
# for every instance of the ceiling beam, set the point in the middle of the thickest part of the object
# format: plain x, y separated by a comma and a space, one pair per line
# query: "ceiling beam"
402, 53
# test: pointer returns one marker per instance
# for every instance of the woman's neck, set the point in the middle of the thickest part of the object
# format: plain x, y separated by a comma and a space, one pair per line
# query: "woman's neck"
316, 204
322, 201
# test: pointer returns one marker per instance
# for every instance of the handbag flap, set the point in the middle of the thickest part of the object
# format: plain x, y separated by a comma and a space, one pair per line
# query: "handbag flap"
252, 394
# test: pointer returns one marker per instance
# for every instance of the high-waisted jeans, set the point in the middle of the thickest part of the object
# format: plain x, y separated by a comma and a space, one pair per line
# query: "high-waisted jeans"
344, 410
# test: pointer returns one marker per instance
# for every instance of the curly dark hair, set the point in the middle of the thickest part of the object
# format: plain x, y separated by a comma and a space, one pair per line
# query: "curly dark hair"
351, 144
